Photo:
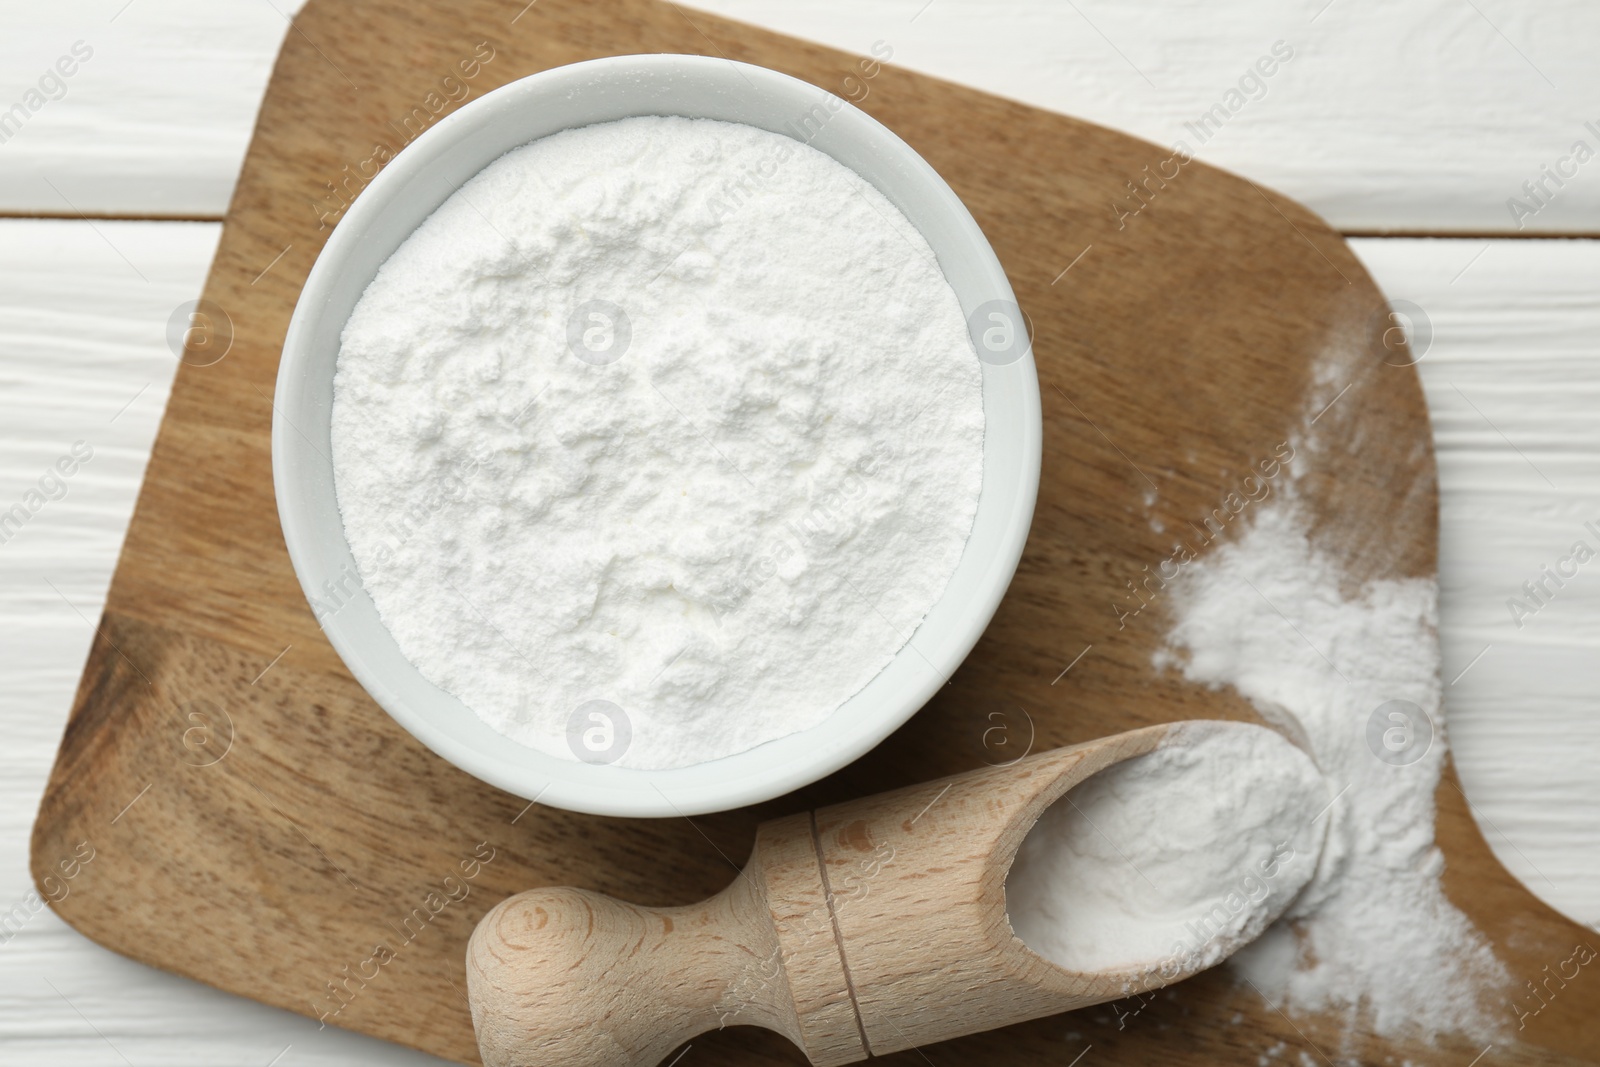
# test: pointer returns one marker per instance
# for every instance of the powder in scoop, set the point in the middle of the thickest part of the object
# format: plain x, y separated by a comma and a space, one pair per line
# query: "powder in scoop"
1167, 862
657, 440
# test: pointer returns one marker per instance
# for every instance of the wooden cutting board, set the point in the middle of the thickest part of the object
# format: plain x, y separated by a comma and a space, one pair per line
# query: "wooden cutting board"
259, 824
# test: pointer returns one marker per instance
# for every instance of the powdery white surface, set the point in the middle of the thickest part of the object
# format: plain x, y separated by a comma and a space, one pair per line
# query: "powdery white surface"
1372, 935
727, 531
1166, 863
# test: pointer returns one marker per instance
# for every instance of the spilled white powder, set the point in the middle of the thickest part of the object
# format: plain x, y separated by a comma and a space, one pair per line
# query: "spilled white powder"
676, 415
1372, 936
1166, 863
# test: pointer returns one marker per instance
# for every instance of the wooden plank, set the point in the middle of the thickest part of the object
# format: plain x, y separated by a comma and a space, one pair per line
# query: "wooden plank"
1424, 117
82, 359
83, 356
325, 827
1513, 381
148, 112
1443, 111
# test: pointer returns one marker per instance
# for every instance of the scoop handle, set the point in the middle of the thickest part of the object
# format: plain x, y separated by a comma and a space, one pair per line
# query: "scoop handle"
859, 929
572, 977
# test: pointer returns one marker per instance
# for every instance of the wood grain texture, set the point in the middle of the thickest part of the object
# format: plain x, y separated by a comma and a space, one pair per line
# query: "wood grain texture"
1190, 337
83, 355
1513, 380
563, 977
1423, 117
154, 115
817, 939
917, 879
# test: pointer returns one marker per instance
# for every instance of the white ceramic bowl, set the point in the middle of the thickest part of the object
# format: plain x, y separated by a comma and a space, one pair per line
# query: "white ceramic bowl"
416, 182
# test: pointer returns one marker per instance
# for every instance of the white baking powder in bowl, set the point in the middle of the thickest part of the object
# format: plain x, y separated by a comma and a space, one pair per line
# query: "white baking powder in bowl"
657, 440
1164, 864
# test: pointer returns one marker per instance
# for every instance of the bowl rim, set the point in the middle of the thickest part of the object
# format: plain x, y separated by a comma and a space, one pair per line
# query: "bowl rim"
715, 785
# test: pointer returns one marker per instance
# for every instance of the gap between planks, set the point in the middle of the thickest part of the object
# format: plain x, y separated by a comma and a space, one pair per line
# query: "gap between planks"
1449, 235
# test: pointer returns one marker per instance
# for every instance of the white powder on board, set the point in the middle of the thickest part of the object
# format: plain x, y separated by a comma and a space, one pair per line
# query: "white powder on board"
674, 414
1167, 862
1372, 936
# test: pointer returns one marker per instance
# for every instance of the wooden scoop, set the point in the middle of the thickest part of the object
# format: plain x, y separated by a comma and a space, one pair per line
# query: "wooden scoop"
855, 930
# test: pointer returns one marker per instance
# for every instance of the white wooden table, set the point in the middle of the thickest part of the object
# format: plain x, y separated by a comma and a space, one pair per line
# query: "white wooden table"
1411, 127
